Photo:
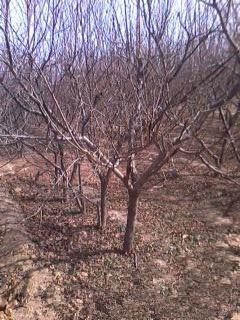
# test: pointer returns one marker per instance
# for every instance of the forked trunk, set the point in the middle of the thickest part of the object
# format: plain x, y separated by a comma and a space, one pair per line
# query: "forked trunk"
131, 222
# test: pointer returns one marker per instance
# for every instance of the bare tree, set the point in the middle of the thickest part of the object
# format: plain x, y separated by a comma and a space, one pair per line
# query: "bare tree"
143, 77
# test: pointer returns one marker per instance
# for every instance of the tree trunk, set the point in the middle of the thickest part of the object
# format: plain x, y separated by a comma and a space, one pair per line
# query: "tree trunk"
103, 210
63, 172
104, 180
56, 170
131, 221
80, 189
221, 157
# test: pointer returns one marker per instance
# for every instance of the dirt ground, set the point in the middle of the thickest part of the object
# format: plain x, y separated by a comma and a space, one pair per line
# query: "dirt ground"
186, 265
23, 281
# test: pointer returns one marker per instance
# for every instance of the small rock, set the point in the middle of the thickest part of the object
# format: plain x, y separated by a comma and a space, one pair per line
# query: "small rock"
235, 316
82, 275
225, 281
78, 301
82, 235
161, 263
17, 190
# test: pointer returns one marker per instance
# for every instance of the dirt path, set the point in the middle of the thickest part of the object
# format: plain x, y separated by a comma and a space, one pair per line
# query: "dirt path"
23, 285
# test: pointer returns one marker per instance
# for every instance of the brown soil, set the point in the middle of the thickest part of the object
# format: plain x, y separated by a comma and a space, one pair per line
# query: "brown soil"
24, 282
187, 259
